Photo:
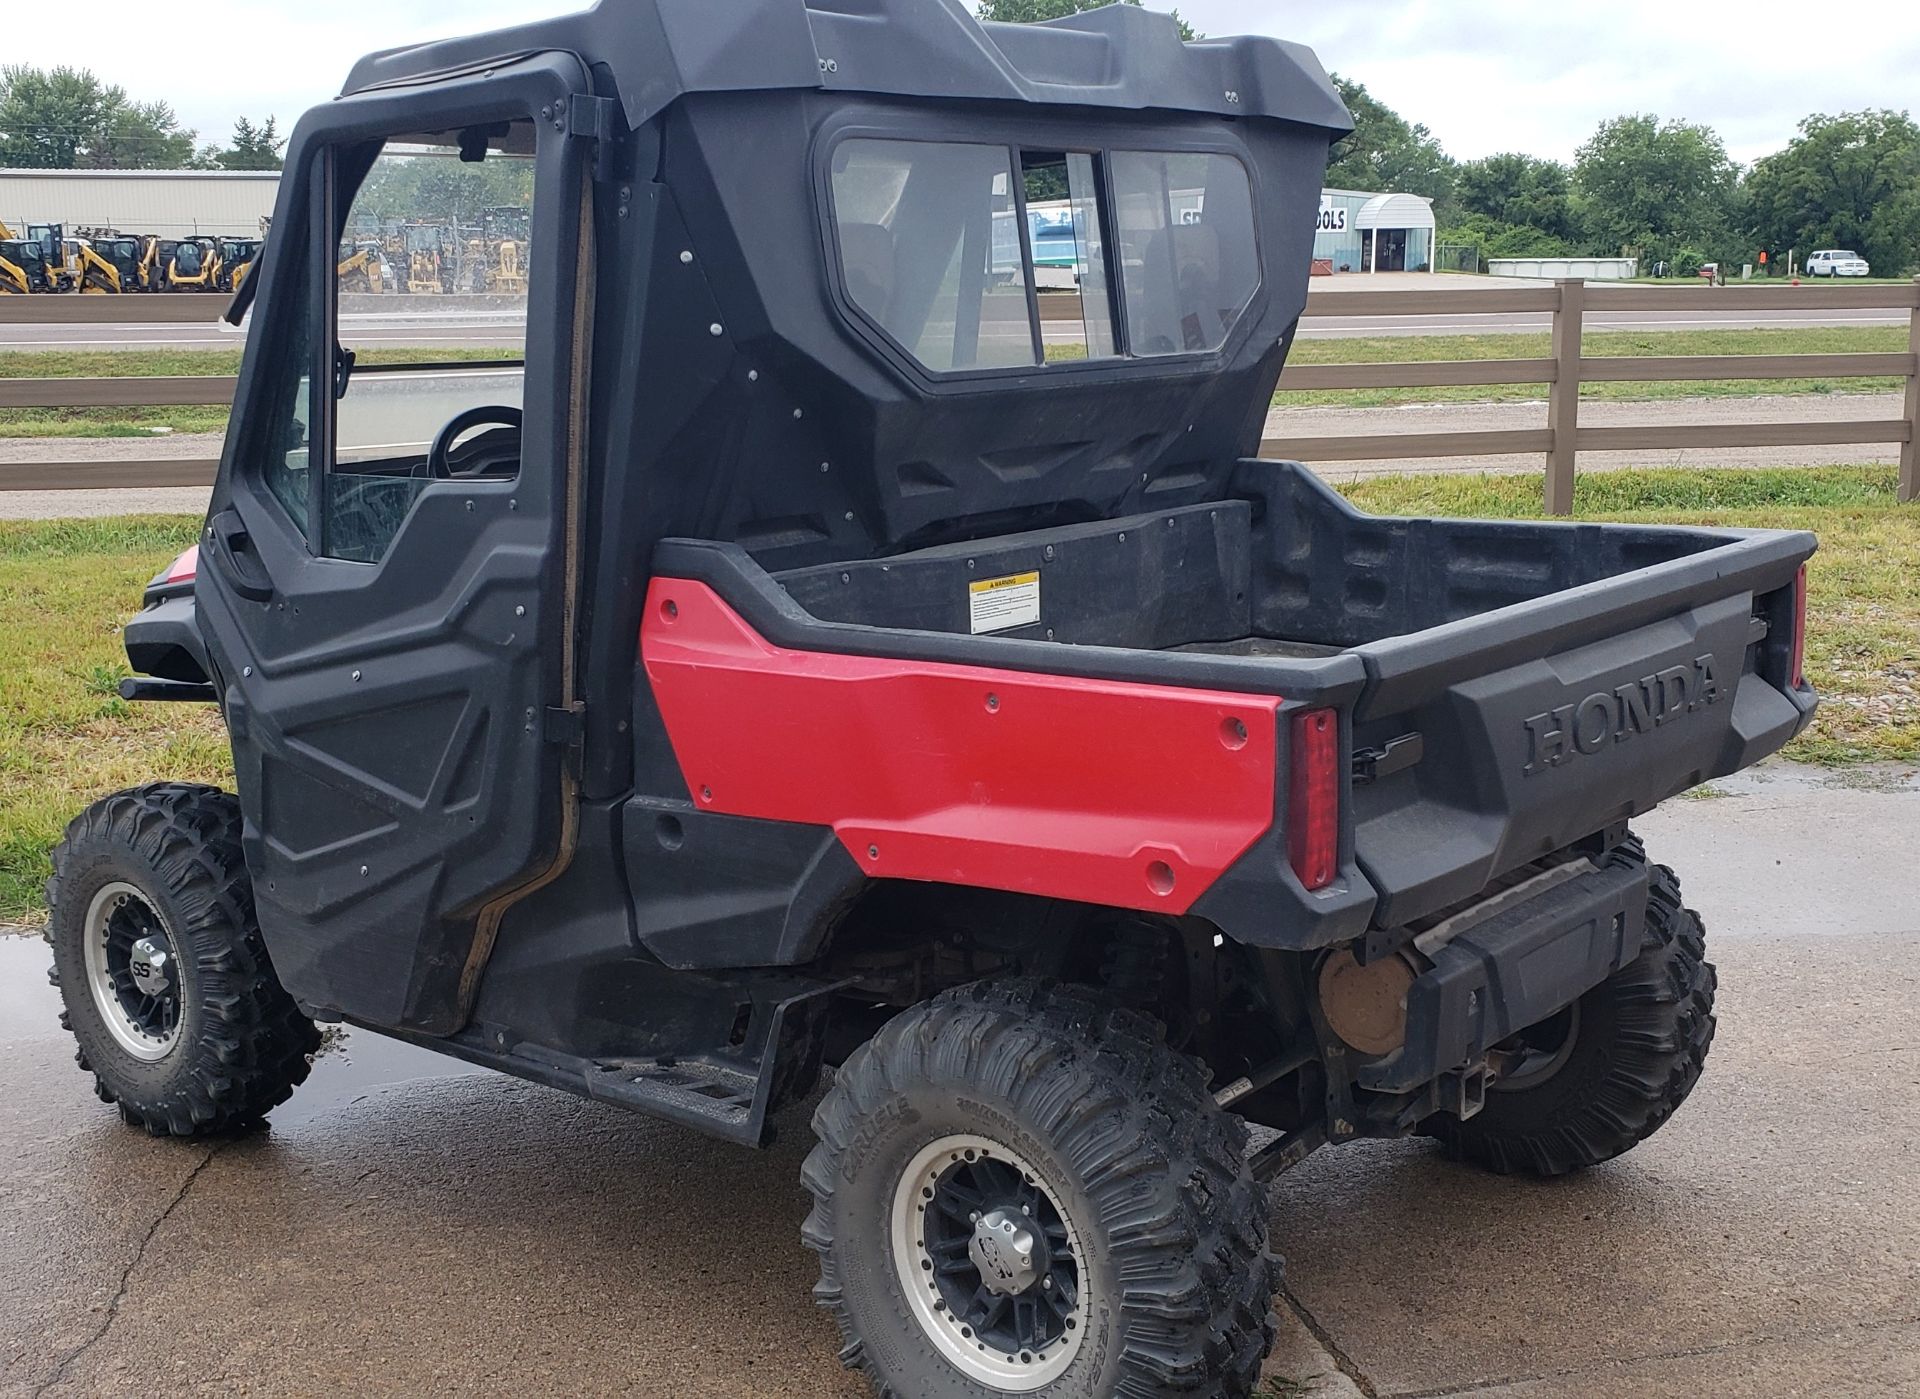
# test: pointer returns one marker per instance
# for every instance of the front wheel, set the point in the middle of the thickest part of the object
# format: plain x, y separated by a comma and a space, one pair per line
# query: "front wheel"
167, 985
1019, 1189
1603, 1075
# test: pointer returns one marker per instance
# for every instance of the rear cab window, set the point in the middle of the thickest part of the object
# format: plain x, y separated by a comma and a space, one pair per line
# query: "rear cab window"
977, 257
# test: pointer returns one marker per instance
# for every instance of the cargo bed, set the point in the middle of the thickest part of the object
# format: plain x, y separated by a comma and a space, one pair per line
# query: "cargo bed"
1505, 688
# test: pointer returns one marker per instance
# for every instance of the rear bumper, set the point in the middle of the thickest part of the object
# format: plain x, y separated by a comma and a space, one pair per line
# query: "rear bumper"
1513, 970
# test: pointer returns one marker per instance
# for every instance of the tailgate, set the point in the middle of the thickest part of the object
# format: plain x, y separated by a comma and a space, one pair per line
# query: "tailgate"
1544, 722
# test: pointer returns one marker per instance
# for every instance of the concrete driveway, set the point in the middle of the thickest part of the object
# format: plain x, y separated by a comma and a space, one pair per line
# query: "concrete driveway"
409, 1228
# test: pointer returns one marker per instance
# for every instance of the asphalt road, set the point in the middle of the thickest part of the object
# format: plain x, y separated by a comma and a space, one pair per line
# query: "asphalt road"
428, 331
407, 1226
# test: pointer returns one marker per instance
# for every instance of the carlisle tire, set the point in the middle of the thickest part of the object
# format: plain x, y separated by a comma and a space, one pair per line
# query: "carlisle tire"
1019, 1189
166, 981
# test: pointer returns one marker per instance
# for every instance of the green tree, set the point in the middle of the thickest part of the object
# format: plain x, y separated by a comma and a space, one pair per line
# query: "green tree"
1659, 191
1491, 238
1521, 191
1034, 11
1386, 154
1847, 181
67, 119
254, 147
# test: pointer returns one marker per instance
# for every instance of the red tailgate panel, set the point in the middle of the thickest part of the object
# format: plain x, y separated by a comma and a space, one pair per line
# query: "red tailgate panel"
1136, 796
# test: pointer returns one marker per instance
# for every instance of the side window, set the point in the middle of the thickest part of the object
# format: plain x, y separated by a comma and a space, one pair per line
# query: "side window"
286, 456
1184, 222
430, 315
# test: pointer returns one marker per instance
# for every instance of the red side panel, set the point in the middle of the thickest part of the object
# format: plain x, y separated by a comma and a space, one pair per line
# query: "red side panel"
1134, 796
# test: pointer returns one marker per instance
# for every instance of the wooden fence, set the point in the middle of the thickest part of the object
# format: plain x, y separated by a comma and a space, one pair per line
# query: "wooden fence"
1563, 373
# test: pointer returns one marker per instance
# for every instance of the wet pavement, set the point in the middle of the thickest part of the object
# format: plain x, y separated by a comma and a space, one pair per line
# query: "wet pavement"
409, 1225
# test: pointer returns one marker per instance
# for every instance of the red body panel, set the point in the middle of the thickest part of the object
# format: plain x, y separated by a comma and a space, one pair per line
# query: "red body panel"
1135, 796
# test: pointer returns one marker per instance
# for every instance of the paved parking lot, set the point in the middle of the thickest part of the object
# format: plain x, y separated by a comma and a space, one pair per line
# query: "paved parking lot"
407, 1227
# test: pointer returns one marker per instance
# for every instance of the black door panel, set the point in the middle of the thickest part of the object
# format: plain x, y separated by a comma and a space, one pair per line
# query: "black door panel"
387, 718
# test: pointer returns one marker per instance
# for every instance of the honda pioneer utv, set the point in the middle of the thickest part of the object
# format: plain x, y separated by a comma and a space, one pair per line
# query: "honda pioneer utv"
818, 644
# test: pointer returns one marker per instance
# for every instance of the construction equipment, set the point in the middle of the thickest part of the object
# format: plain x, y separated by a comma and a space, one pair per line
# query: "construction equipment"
788, 663
23, 267
108, 266
363, 268
427, 248
237, 257
62, 263
191, 264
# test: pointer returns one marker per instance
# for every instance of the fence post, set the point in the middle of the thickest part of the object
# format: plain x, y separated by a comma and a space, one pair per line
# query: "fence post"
1910, 449
1563, 403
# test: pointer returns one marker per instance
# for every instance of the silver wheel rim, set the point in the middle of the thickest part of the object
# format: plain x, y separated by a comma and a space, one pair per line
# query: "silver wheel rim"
1014, 1372
119, 916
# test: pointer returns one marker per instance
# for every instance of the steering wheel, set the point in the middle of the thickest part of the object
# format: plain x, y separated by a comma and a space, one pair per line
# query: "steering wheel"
439, 463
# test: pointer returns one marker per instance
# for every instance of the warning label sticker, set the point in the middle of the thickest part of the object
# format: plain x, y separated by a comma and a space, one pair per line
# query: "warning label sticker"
1000, 604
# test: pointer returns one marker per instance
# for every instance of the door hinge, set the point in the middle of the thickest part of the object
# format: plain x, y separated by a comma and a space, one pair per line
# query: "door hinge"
567, 727
597, 119
1372, 764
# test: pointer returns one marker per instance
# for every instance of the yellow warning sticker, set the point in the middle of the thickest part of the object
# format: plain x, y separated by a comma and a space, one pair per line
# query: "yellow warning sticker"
1001, 604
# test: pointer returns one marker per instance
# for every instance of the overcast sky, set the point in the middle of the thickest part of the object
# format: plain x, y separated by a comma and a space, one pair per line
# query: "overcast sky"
1485, 75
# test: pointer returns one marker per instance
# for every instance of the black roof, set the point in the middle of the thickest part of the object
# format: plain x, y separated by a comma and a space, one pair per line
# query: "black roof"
1121, 56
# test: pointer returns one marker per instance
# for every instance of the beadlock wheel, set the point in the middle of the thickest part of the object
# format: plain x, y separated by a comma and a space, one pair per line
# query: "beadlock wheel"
989, 1262
133, 972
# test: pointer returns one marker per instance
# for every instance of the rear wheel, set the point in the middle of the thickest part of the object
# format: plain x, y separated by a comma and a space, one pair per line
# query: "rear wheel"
166, 981
1019, 1189
1606, 1073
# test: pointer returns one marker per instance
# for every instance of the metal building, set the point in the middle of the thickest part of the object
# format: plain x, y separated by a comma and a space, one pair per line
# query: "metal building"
1361, 232
173, 203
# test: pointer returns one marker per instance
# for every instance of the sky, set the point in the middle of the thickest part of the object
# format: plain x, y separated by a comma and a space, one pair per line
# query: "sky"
1485, 75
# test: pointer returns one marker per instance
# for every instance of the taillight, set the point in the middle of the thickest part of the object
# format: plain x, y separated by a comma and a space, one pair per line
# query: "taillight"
1798, 668
1313, 798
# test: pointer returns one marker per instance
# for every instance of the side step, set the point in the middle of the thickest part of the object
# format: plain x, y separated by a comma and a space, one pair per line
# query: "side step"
728, 1092
721, 1098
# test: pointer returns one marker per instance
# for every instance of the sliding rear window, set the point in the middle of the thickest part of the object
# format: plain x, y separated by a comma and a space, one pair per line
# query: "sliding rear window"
982, 256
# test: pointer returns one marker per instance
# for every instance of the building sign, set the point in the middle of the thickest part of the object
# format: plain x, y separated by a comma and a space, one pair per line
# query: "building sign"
1333, 217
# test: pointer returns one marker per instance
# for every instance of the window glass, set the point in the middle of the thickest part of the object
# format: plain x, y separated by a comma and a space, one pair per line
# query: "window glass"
434, 260
1184, 226
931, 249
290, 413
1069, 253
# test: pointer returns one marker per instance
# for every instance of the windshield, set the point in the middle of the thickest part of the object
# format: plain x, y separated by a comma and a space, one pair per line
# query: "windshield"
977, 256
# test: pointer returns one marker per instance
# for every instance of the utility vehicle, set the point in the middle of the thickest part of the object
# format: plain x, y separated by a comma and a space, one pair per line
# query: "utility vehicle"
820, 650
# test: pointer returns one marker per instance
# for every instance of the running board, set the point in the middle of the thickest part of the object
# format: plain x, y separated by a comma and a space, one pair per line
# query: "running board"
727, 1093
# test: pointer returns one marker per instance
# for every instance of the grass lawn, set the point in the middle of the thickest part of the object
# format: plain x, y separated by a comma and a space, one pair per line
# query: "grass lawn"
66, 586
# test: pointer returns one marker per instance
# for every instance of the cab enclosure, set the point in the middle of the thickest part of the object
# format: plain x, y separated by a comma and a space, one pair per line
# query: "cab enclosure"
821, 603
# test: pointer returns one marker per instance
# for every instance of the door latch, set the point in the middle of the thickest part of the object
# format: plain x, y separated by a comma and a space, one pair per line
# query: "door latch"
1372, 764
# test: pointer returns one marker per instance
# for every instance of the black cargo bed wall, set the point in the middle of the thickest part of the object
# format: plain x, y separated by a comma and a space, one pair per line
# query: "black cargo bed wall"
1147, 582
1291, 561
1324, 572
